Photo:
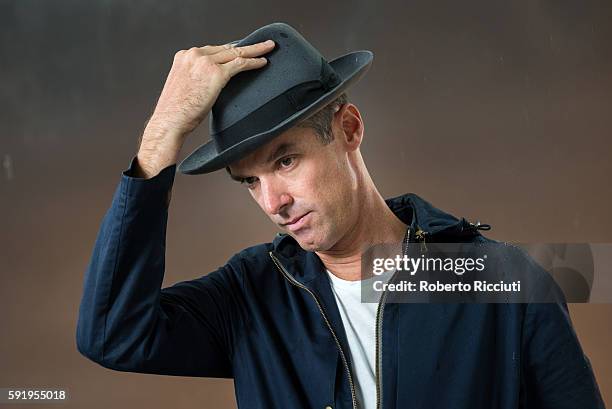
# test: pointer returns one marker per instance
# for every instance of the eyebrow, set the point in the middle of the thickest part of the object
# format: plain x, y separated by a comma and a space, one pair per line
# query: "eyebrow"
281, 150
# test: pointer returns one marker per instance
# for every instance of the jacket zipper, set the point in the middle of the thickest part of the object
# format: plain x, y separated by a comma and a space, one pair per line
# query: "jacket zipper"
379, 313
420, 236
379, 321
302, 286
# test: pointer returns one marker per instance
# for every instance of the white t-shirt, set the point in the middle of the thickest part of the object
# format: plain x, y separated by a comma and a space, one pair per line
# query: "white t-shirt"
359, 320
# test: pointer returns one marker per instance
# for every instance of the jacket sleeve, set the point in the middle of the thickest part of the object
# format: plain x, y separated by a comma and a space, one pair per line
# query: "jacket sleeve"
557, 373
126, 321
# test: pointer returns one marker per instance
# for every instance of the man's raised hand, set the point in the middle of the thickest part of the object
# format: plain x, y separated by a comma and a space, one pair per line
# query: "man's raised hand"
194, 82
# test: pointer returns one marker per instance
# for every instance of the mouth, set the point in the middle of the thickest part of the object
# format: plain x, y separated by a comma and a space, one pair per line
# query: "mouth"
296, 223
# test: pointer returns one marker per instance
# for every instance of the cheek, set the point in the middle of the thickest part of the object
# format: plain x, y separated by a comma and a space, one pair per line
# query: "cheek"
331, 198
307, 186
323, 186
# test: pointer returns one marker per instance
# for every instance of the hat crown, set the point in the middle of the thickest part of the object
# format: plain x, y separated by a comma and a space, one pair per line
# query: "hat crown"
257, 105
292, 62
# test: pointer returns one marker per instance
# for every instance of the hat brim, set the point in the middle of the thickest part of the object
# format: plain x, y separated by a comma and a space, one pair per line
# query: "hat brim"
205, 159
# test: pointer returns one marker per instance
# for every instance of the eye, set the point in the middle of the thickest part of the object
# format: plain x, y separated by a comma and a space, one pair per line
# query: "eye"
286, 162
249, 181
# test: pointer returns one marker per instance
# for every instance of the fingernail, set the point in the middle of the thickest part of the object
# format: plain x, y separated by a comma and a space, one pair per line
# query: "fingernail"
269, 42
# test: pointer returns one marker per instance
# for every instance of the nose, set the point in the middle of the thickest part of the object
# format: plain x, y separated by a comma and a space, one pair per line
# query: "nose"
274, 196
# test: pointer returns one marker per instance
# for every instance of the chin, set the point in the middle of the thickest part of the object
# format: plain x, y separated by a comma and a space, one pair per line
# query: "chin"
309, 243
308, 247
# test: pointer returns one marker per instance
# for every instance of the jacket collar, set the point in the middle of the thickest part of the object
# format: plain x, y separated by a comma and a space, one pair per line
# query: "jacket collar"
425, 221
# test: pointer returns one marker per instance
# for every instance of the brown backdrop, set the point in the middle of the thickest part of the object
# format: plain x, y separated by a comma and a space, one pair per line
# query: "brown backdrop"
496, 111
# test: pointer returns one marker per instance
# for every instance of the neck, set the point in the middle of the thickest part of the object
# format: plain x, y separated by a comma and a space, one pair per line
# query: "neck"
374, 223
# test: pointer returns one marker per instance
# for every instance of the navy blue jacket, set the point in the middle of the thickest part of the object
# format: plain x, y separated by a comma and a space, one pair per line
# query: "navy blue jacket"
269, 320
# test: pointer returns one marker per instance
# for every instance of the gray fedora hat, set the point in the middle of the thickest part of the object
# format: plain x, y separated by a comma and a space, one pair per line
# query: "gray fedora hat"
257, 105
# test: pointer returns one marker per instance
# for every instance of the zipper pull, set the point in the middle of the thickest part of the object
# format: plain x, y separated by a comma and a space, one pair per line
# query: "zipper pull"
420, 236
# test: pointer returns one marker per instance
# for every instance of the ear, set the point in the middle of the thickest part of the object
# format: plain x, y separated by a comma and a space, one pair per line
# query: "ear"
350, 124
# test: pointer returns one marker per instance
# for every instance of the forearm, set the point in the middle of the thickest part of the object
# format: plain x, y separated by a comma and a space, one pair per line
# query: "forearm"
126, 270
159, 147
126, 321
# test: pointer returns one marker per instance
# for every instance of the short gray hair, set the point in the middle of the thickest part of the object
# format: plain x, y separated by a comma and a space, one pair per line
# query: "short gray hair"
321, 121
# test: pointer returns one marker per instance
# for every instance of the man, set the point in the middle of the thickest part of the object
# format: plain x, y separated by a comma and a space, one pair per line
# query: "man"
284, 318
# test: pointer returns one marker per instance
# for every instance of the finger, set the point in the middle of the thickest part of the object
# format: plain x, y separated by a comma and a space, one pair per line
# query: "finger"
213, 49
240, 64
247, 51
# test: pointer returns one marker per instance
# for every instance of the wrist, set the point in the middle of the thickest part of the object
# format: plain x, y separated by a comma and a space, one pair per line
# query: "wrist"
151, 163
159, 148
